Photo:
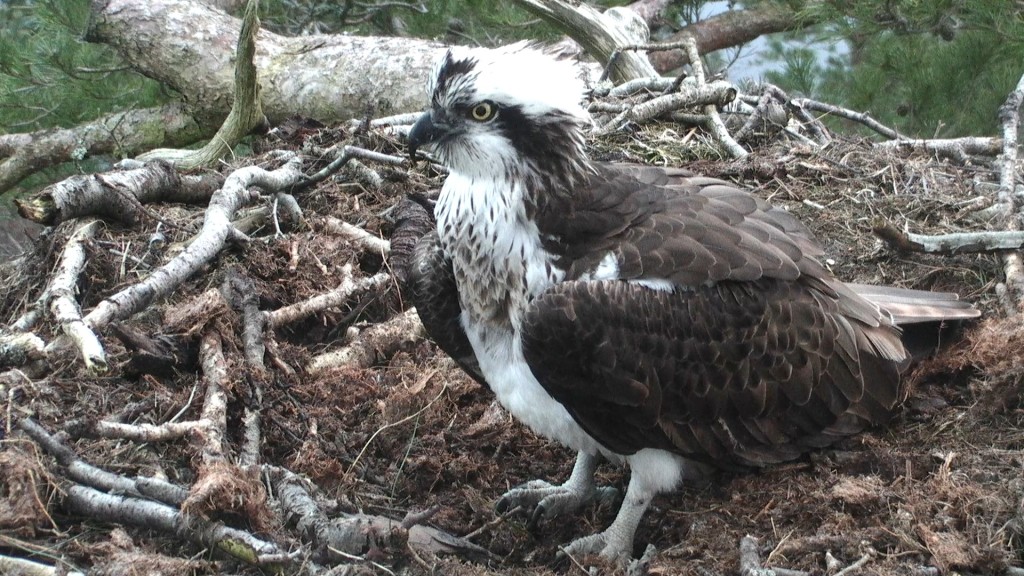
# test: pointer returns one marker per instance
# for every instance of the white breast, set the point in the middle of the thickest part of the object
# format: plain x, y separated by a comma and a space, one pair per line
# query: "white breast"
500, 265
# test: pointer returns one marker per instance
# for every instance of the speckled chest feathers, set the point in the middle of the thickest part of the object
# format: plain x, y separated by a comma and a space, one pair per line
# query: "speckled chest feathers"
497, 255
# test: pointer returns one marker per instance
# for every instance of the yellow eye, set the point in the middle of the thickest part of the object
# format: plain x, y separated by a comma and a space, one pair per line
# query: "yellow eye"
483, 111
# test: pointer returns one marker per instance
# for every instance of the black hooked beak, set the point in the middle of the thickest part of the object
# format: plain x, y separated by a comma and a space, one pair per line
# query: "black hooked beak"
423, 132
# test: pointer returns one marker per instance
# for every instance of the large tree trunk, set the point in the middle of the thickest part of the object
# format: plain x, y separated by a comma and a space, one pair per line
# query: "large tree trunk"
190, 46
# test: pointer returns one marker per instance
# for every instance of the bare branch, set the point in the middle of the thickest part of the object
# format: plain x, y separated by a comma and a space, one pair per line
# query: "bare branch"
216, 232
714, 122
62, 293
379, 340
369, 242
959, 243
600, 35
321, 302
958, 149
246, 109
1013, 263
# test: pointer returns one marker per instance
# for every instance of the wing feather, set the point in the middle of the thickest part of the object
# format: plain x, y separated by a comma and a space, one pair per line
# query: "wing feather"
736, 373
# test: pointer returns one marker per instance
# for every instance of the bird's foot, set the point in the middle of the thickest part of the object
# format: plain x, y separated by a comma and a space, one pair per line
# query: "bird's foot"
548, 501
609, 545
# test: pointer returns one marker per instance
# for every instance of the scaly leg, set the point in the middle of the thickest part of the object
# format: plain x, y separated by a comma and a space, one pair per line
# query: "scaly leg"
616, 542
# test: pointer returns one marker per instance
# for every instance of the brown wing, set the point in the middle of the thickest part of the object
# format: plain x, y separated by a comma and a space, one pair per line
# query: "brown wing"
432, 289
757, 354
739, 373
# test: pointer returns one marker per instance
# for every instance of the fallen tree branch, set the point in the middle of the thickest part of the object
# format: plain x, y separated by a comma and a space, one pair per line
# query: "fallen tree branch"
959, 149
117, 195
859, 117
246, 108
369, 242
84, 473
371, 345
92, 503
63, 296
216, 231
337, 297
123, 500
957, 243
1013, 263
714, 122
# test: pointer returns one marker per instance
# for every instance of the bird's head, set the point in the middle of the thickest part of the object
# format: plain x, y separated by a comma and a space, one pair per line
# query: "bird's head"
498, 112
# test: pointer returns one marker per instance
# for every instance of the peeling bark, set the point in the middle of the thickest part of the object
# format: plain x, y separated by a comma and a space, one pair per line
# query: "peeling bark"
117, 195
216, 232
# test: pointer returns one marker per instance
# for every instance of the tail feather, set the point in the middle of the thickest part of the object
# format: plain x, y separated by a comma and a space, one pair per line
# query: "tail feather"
927, 319
915, 306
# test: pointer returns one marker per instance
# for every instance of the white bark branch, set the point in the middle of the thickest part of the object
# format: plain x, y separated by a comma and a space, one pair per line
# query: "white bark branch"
1013, 263
956, 243
377, 341
23, 567
367, 241
714, 122
63, 292
601, 35
215, 234
337, 297
97, 505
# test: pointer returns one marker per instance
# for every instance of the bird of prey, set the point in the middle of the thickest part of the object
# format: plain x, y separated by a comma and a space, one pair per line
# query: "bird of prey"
656, 320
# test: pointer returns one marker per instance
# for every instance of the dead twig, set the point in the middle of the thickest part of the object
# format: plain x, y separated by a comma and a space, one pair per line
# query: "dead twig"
366, 240
1013, 263
859, 117
337, 297
956, 243
376, 342
713, 122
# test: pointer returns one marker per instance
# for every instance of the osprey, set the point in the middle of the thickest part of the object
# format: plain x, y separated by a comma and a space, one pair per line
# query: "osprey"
632, 313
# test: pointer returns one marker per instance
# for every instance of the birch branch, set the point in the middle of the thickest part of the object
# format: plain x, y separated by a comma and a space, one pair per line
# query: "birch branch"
64, 303
117, 195
369, 242
321, 302
377, 341
714, 122
1013, 263
957, 243
22, 567
959, 149
104, 507
84, 473
213, 237
859, 117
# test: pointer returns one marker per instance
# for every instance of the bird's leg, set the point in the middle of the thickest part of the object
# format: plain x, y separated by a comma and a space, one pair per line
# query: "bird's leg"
616, 542
549, 501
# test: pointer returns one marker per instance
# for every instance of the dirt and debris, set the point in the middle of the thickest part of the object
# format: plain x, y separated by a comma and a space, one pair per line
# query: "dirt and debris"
939, 491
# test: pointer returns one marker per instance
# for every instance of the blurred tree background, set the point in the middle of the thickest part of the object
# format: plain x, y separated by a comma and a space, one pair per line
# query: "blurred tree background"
928, 68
